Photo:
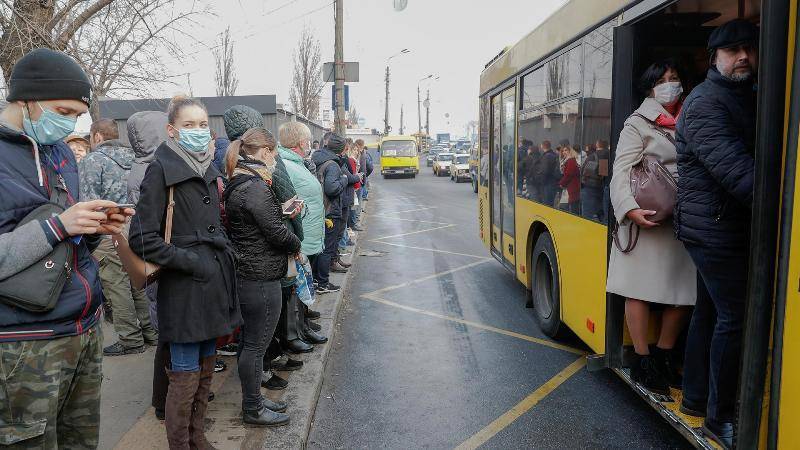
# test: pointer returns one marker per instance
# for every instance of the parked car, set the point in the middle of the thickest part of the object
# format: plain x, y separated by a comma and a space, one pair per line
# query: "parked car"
442, 164
459, 170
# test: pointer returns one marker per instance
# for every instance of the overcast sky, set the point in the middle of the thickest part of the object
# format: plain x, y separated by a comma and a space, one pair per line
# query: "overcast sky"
450, 38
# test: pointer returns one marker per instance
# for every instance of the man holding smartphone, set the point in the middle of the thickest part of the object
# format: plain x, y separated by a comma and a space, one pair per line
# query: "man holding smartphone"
104, 176
51, 393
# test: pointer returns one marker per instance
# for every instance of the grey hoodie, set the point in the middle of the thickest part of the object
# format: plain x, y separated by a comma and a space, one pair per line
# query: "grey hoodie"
146, 131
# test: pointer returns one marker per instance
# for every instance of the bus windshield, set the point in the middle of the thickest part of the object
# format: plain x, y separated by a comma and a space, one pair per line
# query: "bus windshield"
398, 148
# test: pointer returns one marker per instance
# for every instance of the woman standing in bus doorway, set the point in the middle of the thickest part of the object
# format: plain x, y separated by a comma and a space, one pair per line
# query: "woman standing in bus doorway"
197, 300
658, 269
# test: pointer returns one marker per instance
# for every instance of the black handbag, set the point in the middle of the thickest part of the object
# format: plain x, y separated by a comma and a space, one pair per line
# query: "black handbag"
38, 287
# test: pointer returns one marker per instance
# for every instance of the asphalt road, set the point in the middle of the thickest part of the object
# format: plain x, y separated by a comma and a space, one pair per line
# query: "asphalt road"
435, 348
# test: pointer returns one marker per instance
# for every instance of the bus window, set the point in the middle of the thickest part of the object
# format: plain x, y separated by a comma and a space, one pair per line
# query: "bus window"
485, 130
597, 66
497, 112
399, 148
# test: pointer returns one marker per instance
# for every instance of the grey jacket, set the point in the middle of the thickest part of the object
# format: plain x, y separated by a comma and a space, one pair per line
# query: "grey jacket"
146, 131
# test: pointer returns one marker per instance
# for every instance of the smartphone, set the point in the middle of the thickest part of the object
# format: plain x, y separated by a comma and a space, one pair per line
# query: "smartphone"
120, 206
288, 210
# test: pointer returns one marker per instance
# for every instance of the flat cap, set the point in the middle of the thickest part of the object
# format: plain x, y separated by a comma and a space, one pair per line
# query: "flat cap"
733, 33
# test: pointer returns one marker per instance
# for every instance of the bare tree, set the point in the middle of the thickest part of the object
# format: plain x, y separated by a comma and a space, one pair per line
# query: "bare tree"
28, 24
307, 81
225, 76
122, 49
353, 116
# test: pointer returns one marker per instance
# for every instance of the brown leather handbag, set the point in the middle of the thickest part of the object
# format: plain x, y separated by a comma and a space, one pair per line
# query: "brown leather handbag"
140, 271
653, 188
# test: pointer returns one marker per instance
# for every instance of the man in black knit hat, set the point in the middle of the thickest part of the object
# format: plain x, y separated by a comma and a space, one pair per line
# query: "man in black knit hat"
51, 389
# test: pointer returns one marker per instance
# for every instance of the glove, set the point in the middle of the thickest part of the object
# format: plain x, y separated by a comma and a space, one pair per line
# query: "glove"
328, 223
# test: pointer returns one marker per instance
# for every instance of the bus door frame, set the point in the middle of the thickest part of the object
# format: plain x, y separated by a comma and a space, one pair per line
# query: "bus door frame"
498, 251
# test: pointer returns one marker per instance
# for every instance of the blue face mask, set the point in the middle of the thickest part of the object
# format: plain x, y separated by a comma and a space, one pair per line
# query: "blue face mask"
50, 128
195, 139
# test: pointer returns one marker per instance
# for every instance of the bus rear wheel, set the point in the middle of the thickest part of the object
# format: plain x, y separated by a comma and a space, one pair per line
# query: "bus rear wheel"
545, 286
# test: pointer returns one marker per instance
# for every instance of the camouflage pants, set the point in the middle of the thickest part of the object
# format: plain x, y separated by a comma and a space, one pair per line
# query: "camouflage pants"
50, 392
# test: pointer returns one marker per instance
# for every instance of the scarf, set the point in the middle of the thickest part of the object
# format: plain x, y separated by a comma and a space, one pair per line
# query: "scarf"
198, 161
253, 167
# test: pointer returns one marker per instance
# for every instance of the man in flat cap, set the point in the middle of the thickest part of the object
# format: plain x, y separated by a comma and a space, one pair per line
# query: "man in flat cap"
715, 142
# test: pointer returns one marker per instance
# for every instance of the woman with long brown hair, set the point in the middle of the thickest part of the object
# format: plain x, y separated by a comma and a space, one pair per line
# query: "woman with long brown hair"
263, 244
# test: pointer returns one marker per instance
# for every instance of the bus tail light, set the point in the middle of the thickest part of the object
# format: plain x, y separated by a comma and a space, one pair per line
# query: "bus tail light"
590, 325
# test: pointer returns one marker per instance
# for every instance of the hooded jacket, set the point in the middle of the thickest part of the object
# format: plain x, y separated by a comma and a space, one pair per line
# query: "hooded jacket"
146, 131
334, 181
23, 188
310, 191
104, 172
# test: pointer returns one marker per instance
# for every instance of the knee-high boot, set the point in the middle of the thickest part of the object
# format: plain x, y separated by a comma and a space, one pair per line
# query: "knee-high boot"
294, 339
180, 396
160, 378
197, 436
305, 331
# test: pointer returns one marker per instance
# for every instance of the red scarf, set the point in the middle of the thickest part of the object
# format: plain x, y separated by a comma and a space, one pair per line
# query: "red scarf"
668, 120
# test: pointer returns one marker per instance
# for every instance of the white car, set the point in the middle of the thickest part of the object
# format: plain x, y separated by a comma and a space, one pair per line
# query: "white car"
459, 170
441, 166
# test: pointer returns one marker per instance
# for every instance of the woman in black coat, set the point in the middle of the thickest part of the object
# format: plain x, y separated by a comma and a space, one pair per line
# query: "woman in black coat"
197, 300
263, 244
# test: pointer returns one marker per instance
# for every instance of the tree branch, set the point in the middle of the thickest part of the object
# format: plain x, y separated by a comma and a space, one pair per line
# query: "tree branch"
78, 22
63, 13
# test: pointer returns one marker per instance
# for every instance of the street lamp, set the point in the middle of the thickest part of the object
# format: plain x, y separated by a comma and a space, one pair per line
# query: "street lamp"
419, 111
386, 112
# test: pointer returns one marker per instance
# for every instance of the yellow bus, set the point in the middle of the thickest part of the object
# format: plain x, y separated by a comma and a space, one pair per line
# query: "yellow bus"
399, 156
572, 81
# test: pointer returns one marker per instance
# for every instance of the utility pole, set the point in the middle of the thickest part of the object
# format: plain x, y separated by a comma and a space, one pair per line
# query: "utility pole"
428, 113
386, 112
338, 64
419, 113
401, 120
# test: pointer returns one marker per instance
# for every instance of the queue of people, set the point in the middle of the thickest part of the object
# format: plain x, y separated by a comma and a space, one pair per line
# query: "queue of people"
244, 231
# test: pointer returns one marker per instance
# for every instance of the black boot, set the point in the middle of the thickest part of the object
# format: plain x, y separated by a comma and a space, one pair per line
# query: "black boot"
273, 382
666, 361
313, 325
311, 314
306, 333
645, 373
278, 406
289, 366
294, 342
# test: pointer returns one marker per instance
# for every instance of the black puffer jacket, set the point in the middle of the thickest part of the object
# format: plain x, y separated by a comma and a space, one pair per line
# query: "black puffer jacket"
715, 142
260, 237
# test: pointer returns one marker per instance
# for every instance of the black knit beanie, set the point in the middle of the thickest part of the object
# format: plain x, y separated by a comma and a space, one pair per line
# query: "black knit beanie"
336, 143
45, 74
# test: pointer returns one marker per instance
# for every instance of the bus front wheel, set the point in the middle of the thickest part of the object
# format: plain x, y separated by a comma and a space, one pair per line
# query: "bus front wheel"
545, 286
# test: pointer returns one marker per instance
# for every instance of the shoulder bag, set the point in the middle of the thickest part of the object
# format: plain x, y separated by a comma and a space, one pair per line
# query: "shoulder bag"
140, 271
38, 287
653, 188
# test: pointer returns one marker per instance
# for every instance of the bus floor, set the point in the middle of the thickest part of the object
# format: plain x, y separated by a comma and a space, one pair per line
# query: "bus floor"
435, 349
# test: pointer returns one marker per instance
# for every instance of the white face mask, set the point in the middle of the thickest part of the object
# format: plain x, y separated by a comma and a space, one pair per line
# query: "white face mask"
667, 93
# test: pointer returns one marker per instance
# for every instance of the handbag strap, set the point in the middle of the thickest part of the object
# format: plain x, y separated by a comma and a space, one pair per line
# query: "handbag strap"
170, 213
220, 192
657, 129
633, 238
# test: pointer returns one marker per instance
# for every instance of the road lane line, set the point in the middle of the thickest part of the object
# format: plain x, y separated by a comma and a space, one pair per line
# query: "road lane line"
414, 232
427, 277
431, 250
410, 210
410, 220
522, 407
524, 337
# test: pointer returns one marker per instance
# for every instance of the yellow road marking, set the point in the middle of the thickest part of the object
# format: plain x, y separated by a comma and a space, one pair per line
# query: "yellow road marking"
425, 278
411, 220
414, 232
432, 250
373, 297
522, 407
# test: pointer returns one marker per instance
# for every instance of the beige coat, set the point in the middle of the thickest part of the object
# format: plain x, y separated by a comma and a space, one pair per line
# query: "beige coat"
658, 269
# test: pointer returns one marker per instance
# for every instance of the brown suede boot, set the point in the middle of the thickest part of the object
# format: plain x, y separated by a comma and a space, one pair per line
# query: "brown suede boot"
197, 437
180, 394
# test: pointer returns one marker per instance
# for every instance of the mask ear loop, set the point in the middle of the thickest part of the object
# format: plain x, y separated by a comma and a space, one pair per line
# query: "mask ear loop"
34, 141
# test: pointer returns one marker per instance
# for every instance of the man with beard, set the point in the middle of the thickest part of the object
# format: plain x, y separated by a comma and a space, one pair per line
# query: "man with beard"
715, 142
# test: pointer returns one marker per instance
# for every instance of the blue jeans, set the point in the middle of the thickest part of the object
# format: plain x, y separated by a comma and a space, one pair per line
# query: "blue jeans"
355, 211
714, 342
186, 356
365, 189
